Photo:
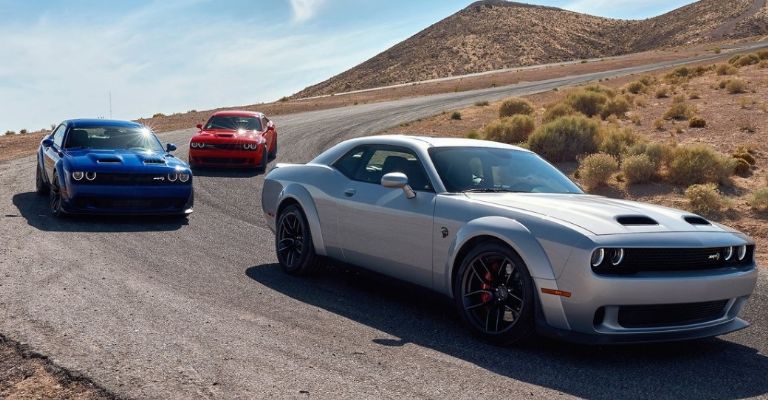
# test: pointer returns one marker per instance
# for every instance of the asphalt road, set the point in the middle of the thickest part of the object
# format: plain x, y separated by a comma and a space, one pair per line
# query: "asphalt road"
154, 308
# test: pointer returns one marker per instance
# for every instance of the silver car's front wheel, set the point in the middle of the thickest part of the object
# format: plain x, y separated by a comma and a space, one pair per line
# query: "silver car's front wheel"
494, 294
293, 242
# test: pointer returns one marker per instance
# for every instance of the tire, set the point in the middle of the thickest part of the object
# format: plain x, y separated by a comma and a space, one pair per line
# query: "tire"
293, 242
273, 153
41, 188
264, 159
54, 198
493, 294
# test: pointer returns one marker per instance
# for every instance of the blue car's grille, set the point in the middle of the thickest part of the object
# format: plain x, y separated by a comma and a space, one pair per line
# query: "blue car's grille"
132, 180
101, 203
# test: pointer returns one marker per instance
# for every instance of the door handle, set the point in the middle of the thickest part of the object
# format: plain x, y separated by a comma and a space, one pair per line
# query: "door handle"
350, 192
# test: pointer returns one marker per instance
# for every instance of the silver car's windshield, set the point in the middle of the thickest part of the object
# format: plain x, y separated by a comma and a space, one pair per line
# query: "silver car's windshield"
486, 169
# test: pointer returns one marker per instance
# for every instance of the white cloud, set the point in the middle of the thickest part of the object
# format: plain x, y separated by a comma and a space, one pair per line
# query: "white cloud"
304, 10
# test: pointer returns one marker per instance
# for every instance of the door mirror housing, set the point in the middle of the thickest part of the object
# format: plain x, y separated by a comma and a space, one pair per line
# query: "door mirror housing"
398, 180
199, 126
170, 147
47, 142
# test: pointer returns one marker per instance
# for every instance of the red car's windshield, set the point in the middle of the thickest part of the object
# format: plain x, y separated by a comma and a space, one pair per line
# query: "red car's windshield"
234, 123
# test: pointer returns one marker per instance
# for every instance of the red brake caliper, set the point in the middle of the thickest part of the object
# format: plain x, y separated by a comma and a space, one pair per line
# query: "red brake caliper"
486, 285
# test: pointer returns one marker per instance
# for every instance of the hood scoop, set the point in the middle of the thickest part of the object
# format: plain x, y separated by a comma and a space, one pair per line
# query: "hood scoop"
225, 135
695, 220
109, 160
635, 220
154, 161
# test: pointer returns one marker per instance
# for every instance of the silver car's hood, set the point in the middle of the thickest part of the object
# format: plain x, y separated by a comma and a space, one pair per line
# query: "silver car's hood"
596, 214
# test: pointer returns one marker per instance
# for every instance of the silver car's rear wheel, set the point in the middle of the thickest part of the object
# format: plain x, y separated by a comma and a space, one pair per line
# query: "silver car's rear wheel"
494, 294
293, 242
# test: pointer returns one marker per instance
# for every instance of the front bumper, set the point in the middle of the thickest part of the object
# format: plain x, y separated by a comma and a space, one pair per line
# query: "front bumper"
226, 158
132, 200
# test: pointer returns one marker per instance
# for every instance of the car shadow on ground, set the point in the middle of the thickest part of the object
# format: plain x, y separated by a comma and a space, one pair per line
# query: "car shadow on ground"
712, 368
227, 172
35, 210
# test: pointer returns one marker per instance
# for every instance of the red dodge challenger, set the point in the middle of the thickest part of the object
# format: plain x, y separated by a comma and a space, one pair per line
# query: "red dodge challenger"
234, 139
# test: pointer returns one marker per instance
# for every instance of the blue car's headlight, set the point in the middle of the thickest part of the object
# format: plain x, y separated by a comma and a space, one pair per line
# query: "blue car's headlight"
78, 175
184, 177
172, 177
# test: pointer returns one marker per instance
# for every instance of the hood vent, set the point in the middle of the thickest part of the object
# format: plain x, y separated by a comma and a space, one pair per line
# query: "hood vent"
109, 160
154, 161
634, 220
694, 220
225, 135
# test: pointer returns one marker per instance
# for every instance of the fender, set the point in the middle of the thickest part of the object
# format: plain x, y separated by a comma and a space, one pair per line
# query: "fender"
519, 238
301, 195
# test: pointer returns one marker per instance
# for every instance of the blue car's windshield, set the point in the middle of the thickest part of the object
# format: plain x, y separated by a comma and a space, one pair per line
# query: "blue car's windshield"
487, 169
112, 138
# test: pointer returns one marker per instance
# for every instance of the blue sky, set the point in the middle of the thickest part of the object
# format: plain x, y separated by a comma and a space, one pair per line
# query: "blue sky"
62, 58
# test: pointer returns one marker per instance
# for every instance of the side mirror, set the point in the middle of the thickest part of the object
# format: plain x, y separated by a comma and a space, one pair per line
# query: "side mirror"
170, 147
398, 180
200, 126
48, 142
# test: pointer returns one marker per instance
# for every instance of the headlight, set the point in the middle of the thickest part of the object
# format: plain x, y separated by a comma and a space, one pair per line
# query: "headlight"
172, 177
617, 256
597, 257
183, 177
741, 252
193, 145
90, 176
78, 175
728, 253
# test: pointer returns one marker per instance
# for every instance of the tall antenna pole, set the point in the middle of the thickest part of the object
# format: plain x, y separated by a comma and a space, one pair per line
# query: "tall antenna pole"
110, 104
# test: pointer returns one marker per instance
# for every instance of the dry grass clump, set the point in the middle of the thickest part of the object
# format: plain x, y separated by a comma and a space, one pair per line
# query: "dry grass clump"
456, 116
725, 69
615, 141
565, 138
515, 106
511, 130
758, 200
699, 164
697, 122
638, 169
736, 86
744, 60
587, 102
596, 169
556, 111
636, 87
704, 199
618, 106
662, 92
680, 110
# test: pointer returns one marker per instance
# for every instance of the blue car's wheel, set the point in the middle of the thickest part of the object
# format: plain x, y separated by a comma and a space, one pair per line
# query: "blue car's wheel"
493, 292
40, 186
54, 197
293, 242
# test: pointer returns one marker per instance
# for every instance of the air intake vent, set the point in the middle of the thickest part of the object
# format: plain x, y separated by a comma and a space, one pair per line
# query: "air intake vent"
694, 220
631, 220
154, 161
109, 160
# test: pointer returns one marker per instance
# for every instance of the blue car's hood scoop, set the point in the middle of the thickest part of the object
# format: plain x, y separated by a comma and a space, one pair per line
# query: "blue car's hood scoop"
122, 159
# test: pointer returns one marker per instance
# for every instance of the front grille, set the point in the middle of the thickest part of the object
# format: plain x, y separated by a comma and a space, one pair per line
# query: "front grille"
653, 316
216, 160
665, 259
101, 203
130, 180
223, 146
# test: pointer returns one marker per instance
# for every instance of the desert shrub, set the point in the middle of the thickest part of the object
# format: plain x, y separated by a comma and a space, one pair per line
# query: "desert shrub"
8, 133
680, 110
615, 140
587, 102
23, 132
659, 124
456, 116
744, 60
697, 122
699, 164
763, 64
635, 119
515, 106
648, 80
636, 87
600, 89
638, 169
158, 115
473, 134
617, 106
723, 83
759, 200
717, 50
725, 69
747, 102
744, 155
556, 111
511, 130
704, 199
742, 167
736, 86
565, 138
482, 103
762, 54
681, 74
662, 92
596, 169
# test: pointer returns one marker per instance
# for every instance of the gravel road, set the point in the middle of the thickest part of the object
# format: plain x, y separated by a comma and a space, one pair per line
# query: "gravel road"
161, 309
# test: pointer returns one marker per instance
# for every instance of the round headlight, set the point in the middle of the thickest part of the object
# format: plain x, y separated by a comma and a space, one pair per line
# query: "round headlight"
90, 176
78, 175
184, 177
741, 252
728, 255
617, 256
597, 257
173, 177
193, 145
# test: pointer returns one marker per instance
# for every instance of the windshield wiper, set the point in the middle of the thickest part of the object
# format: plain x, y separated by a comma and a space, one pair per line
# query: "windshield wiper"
490, 190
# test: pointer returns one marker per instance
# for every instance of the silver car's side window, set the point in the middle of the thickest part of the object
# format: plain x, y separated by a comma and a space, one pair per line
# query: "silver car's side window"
369, 163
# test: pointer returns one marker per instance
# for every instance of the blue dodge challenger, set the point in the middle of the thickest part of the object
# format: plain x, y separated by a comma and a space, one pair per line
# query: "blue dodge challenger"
111, 167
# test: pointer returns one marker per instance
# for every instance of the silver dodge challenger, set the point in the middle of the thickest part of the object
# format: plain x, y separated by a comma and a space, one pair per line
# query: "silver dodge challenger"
516, 244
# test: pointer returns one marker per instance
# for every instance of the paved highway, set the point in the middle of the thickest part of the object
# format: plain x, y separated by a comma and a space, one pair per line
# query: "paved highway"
161, 309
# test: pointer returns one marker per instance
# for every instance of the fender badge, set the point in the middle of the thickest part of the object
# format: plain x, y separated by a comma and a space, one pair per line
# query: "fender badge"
159, 178
444, 231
